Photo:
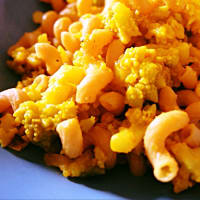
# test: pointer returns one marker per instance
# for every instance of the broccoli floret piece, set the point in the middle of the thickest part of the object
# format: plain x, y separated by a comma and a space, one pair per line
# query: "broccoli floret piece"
141, 75
40, 119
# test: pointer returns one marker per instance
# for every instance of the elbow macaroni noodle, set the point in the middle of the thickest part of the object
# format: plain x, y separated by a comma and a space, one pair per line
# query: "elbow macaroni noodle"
165, 166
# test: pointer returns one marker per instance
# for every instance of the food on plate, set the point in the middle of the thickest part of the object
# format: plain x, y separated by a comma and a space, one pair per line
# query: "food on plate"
105, 78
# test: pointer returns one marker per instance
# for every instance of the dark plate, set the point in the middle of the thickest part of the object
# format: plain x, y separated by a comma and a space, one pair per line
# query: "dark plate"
23, 175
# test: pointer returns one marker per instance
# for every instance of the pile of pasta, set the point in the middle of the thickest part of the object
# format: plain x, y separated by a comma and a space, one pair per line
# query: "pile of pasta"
106, 80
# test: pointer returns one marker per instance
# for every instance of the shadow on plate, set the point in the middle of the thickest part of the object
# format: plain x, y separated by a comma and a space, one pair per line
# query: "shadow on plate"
121, 182
118, 181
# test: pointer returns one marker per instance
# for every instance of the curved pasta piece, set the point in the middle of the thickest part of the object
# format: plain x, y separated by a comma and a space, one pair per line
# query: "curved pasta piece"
71, 137
89, 24
95, 80
97, 40
113, 102
41, 82
12, 97
61, 25
69, 41
115, 50
165, 166
167, 99
50, 55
